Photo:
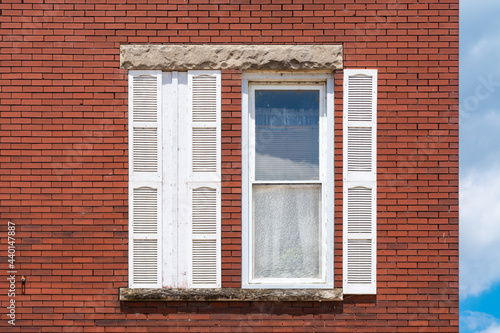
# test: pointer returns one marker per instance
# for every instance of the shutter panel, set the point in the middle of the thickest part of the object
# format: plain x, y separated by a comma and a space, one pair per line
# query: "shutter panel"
360, 182
204, 180
145, 179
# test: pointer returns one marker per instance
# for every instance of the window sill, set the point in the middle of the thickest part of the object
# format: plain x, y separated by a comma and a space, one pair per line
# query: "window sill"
230, 294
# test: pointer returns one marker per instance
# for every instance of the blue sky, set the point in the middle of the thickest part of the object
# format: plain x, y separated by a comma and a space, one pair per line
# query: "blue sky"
480, 166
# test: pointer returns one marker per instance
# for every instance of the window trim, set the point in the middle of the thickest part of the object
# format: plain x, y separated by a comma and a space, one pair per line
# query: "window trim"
326, 162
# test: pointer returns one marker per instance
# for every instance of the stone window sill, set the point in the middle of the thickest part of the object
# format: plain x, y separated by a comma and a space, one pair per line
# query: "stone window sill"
230, 294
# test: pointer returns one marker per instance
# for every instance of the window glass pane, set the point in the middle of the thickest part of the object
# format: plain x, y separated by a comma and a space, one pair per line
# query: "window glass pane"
286, 134
286, 231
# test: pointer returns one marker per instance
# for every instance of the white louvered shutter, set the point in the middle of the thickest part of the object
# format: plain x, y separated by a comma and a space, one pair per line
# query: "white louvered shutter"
204, 181
145, 170
360, 182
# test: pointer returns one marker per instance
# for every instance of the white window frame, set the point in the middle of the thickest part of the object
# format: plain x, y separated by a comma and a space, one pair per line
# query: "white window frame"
286, 80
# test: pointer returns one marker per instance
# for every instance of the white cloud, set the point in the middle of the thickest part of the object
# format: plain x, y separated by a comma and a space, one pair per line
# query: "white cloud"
494, 328
482, 45
479, 230
479, 138
479, 42
477, 124
479, 51
479, 322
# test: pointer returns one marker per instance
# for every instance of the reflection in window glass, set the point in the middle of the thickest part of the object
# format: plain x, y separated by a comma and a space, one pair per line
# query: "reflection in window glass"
287, 135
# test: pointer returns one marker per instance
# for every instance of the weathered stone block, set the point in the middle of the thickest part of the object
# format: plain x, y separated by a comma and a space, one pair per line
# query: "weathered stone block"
265, 57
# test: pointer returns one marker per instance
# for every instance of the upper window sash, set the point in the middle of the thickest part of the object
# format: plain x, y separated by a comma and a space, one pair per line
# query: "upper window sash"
259, 141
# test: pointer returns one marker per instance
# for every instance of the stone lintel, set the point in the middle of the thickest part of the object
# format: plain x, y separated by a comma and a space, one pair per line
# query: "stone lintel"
230, 294
175, 57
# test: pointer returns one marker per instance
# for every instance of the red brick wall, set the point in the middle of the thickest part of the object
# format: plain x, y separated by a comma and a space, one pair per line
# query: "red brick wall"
63, 160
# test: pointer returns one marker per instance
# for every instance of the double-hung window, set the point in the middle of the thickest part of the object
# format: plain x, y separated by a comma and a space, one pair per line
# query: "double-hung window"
287, 181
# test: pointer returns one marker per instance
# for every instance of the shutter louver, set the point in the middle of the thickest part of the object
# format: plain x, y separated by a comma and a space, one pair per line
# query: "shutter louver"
144, 97
145, 150
359, 150
204, 235
204, 182
204, 150
145, 214
144, 179
359, 210
359, 98
204, 263
204, 211
360, 181
204, 105
145, 261
359, 268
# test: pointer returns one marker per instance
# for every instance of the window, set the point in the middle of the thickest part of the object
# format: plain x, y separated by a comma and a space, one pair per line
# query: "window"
288, 181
